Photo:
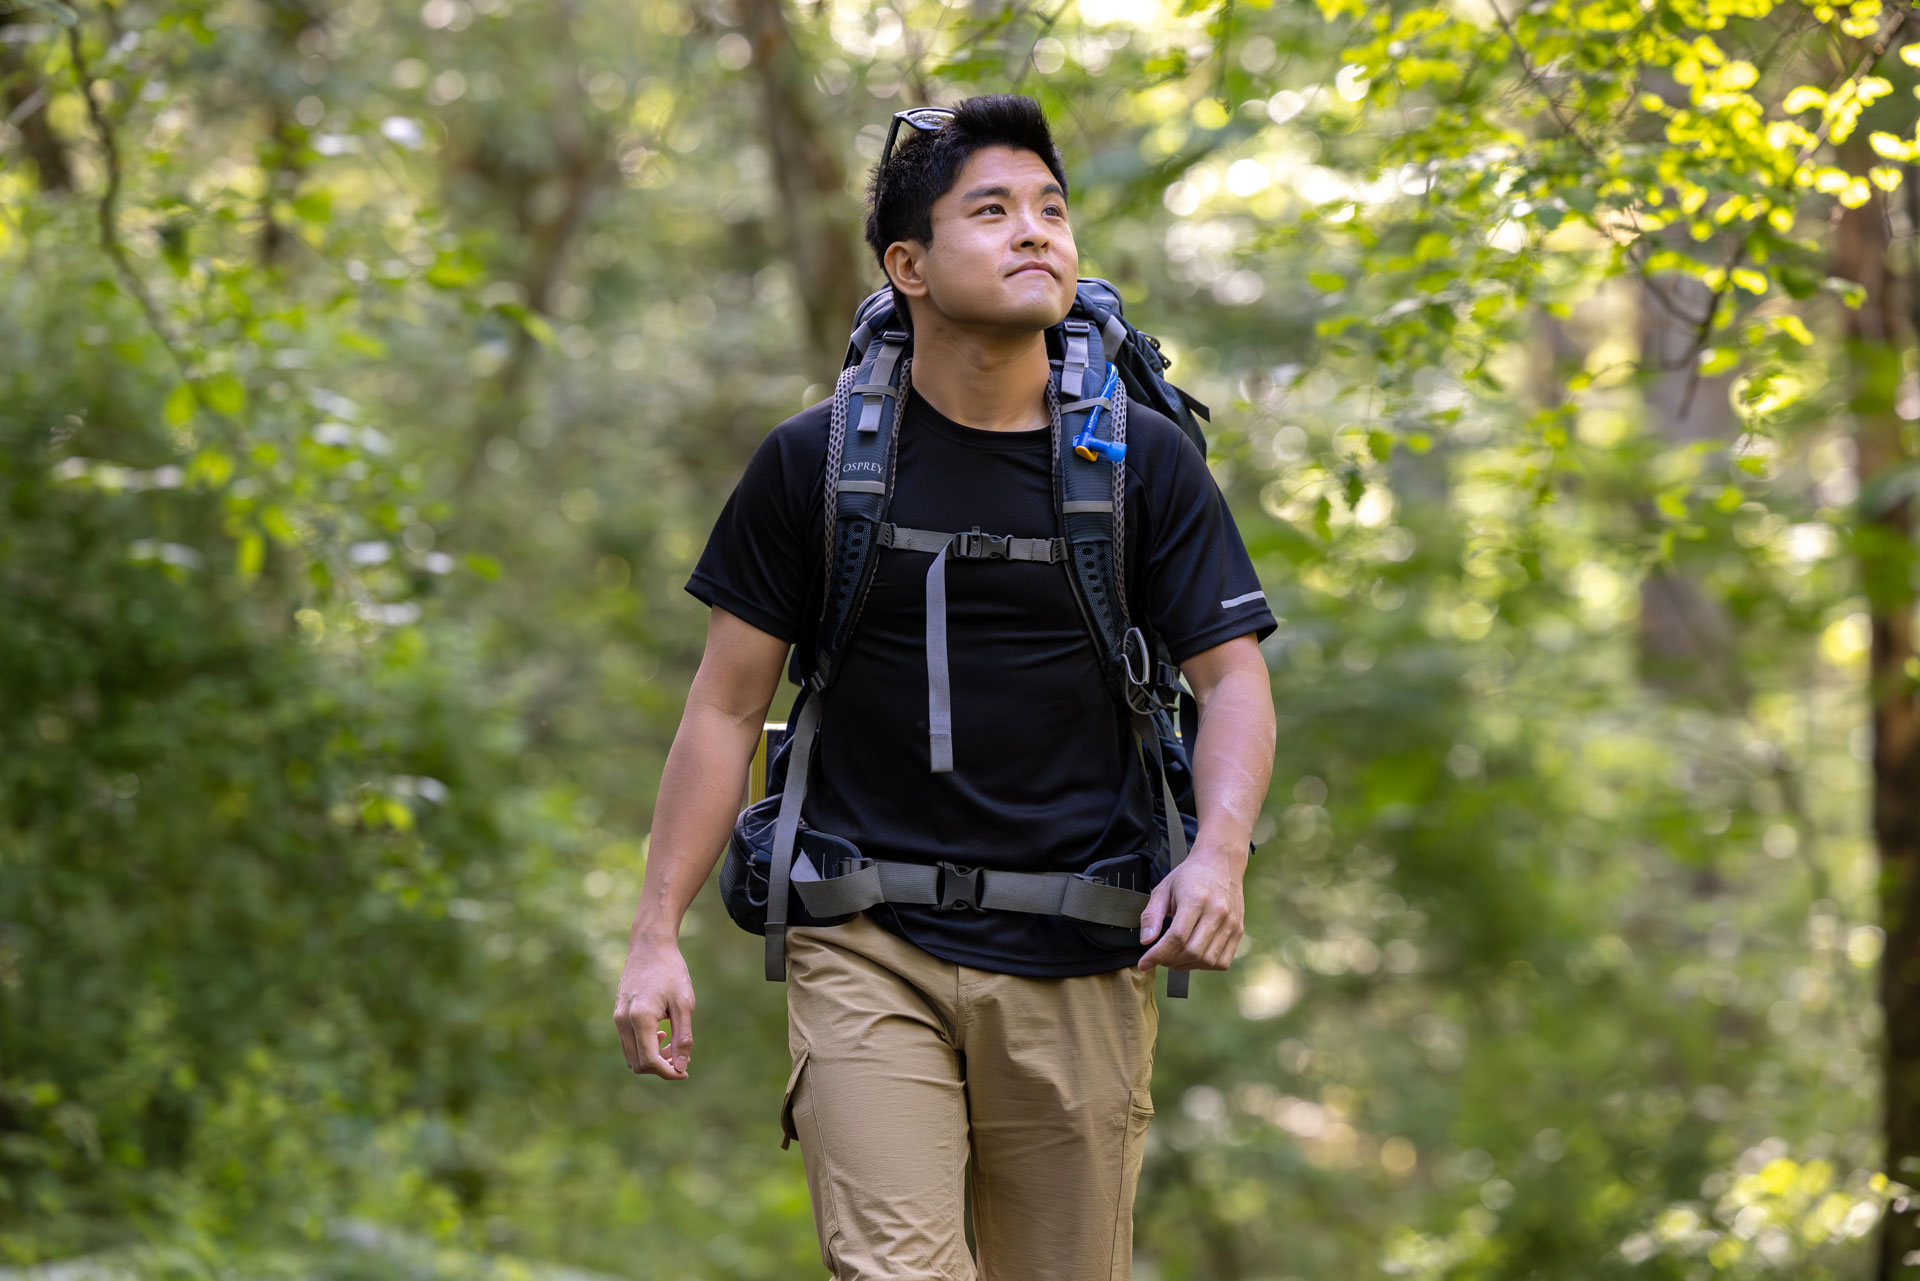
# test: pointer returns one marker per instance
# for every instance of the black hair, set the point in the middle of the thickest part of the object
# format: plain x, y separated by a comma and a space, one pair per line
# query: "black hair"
924, 165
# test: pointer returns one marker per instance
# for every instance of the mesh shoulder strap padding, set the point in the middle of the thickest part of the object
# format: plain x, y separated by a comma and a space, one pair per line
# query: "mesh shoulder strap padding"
1089, 489
859, 481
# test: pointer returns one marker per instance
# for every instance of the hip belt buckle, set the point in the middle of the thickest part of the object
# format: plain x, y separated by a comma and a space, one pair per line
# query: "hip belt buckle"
959, 888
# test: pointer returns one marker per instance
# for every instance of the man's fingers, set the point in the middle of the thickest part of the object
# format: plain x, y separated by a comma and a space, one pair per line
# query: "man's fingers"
1172, 947
680, 1012
641, 1033
629, 1044
1205, 939
1154, 913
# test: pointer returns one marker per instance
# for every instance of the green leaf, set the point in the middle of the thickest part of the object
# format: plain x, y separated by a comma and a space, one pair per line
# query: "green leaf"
1434, 244
1804, 98
273, 518
1380, 445
224, 394
251, 554
1852, 293
362, 343
315, 205
180, 405
1718, 360
1326, 281
211, 467
532, 321
1795, 328
455, 268
1797, 283
485, 566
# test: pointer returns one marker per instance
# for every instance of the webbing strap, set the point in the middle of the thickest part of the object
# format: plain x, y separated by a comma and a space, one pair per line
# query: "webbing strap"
786, 832
1096, 402
1148, 736
966, 545
871, 400
939, 695
1116, 334
1073, 363
973, 545
930, 885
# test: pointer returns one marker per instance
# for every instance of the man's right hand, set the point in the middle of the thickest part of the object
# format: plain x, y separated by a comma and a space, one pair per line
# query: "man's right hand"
655, 986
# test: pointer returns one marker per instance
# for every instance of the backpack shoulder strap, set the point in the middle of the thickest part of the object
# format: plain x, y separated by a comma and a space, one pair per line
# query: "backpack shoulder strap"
859, 479
1089, 475
859, 484
1090, 469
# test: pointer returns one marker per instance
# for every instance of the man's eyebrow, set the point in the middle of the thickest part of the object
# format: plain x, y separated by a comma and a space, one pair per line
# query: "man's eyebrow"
1051, 189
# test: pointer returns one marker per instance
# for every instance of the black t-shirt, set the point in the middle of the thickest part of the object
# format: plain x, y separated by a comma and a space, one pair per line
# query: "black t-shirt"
1045, 776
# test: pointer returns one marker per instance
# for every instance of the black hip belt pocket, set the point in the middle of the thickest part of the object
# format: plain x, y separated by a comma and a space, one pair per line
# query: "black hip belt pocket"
743, 872
1137, 872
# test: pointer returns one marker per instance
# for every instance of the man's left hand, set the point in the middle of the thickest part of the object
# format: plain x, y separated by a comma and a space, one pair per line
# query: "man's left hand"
1208, 910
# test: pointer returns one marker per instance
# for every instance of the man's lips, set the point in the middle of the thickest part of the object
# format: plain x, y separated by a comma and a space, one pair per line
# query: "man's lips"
1033, 266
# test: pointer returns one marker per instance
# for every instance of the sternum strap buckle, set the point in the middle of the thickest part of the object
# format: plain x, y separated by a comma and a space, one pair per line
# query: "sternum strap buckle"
974, 545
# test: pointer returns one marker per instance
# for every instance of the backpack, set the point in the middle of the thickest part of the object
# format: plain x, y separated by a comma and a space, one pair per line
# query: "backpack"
778, 871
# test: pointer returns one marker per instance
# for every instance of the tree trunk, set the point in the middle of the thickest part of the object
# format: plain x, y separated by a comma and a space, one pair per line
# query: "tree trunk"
812, 190
25, 97
1878, 335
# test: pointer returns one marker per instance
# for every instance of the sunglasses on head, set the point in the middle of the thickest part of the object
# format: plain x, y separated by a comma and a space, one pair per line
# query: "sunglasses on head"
925, 119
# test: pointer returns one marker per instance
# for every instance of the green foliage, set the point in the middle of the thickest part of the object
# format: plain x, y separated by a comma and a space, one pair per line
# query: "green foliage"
366, 400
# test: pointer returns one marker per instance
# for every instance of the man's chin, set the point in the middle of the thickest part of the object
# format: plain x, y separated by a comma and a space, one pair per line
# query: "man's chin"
1026, 315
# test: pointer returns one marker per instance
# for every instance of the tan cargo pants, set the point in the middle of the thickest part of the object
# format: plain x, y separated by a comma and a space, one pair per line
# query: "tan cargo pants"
905, 1066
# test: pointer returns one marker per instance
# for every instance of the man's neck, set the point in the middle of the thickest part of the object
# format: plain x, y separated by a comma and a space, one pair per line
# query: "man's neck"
991, 382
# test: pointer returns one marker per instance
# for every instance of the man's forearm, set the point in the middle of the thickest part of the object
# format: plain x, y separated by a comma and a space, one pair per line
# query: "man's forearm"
700, 790
1233, 762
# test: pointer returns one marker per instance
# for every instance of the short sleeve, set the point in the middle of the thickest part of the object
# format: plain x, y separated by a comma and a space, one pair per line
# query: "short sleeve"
1200, 586
767, 538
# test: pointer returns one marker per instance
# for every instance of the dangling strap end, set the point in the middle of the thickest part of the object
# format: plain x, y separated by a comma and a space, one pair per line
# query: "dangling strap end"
776, 953
942, 751
1177, 983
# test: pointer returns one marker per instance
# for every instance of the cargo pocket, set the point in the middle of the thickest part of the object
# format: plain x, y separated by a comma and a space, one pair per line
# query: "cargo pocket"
1139, 1117
786, 1101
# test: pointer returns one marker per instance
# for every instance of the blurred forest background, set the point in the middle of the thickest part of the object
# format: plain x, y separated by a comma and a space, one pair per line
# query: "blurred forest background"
370, 375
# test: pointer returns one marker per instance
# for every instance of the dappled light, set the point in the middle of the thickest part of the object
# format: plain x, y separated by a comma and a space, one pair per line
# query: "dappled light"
371, 376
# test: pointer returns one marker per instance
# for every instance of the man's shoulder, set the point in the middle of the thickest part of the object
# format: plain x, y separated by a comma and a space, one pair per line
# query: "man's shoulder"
802, 439
1157, 437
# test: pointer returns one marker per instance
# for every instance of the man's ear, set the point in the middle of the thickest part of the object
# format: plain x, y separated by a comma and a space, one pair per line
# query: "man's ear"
903, 262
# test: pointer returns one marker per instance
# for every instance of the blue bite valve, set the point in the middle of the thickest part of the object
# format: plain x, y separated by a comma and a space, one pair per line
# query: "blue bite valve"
1087, 445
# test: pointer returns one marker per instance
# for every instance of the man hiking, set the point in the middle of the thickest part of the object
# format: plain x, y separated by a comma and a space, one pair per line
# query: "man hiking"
941, 1047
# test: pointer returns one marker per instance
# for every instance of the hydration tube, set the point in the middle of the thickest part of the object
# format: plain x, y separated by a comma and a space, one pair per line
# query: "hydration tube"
1091, 447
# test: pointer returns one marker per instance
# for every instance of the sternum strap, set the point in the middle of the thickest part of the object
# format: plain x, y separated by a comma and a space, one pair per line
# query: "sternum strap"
967, 545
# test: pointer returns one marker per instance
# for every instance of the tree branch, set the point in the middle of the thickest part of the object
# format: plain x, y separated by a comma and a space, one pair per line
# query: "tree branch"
109, 205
